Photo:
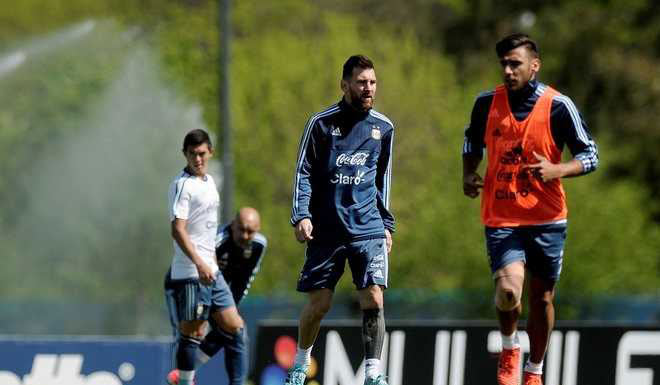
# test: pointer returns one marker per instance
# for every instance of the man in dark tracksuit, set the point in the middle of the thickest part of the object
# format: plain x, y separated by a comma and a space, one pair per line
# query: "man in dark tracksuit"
239, 249
341, 209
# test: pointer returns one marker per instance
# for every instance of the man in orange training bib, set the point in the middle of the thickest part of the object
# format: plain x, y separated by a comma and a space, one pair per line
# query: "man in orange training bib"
524, 125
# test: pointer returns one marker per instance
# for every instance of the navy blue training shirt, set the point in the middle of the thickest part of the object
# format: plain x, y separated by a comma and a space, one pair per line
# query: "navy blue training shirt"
238, 266
343, 174
566, 123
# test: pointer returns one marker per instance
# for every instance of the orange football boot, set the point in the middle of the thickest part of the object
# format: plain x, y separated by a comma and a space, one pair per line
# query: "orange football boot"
508, 367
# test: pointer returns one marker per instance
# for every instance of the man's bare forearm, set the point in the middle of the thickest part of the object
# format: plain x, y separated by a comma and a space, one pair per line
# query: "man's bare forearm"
571, 168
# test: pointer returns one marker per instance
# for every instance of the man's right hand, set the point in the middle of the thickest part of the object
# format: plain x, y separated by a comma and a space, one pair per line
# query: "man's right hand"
303, 230
472, 182
205, 273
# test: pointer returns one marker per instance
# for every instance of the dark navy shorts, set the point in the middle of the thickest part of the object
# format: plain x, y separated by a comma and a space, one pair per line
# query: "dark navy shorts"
324, 264
195, 301
541, 248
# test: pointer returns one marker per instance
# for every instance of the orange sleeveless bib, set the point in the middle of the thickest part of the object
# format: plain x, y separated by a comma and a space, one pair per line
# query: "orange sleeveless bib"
512, 195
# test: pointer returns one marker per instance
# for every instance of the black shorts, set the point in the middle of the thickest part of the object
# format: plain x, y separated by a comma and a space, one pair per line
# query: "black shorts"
324, 264
540, 248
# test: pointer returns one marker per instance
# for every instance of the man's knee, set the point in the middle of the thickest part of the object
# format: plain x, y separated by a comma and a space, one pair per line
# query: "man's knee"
543, 299
371, 297
320, 307
229, 320
193, 329
216, 339
235, 326
508, 293
542, 292
509, 282
507, 299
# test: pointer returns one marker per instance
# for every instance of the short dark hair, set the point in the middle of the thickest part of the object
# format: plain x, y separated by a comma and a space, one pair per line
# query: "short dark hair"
195, 138
356, 61
514, 41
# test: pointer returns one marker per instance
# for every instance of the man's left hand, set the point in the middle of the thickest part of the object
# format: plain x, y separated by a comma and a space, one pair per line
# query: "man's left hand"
544, 169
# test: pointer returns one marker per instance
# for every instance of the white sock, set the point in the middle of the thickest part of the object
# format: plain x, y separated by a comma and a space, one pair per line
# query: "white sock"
201, 358
372, 367
186, 377
534, 368
303, 357
510, 342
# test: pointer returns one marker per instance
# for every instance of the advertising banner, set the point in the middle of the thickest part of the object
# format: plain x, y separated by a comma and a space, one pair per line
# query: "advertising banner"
462, 354
93, 361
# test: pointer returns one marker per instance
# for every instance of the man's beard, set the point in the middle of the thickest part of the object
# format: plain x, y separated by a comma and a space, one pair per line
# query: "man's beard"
359, 104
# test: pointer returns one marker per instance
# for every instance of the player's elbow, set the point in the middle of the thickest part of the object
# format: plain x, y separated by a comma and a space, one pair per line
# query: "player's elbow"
176, 231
